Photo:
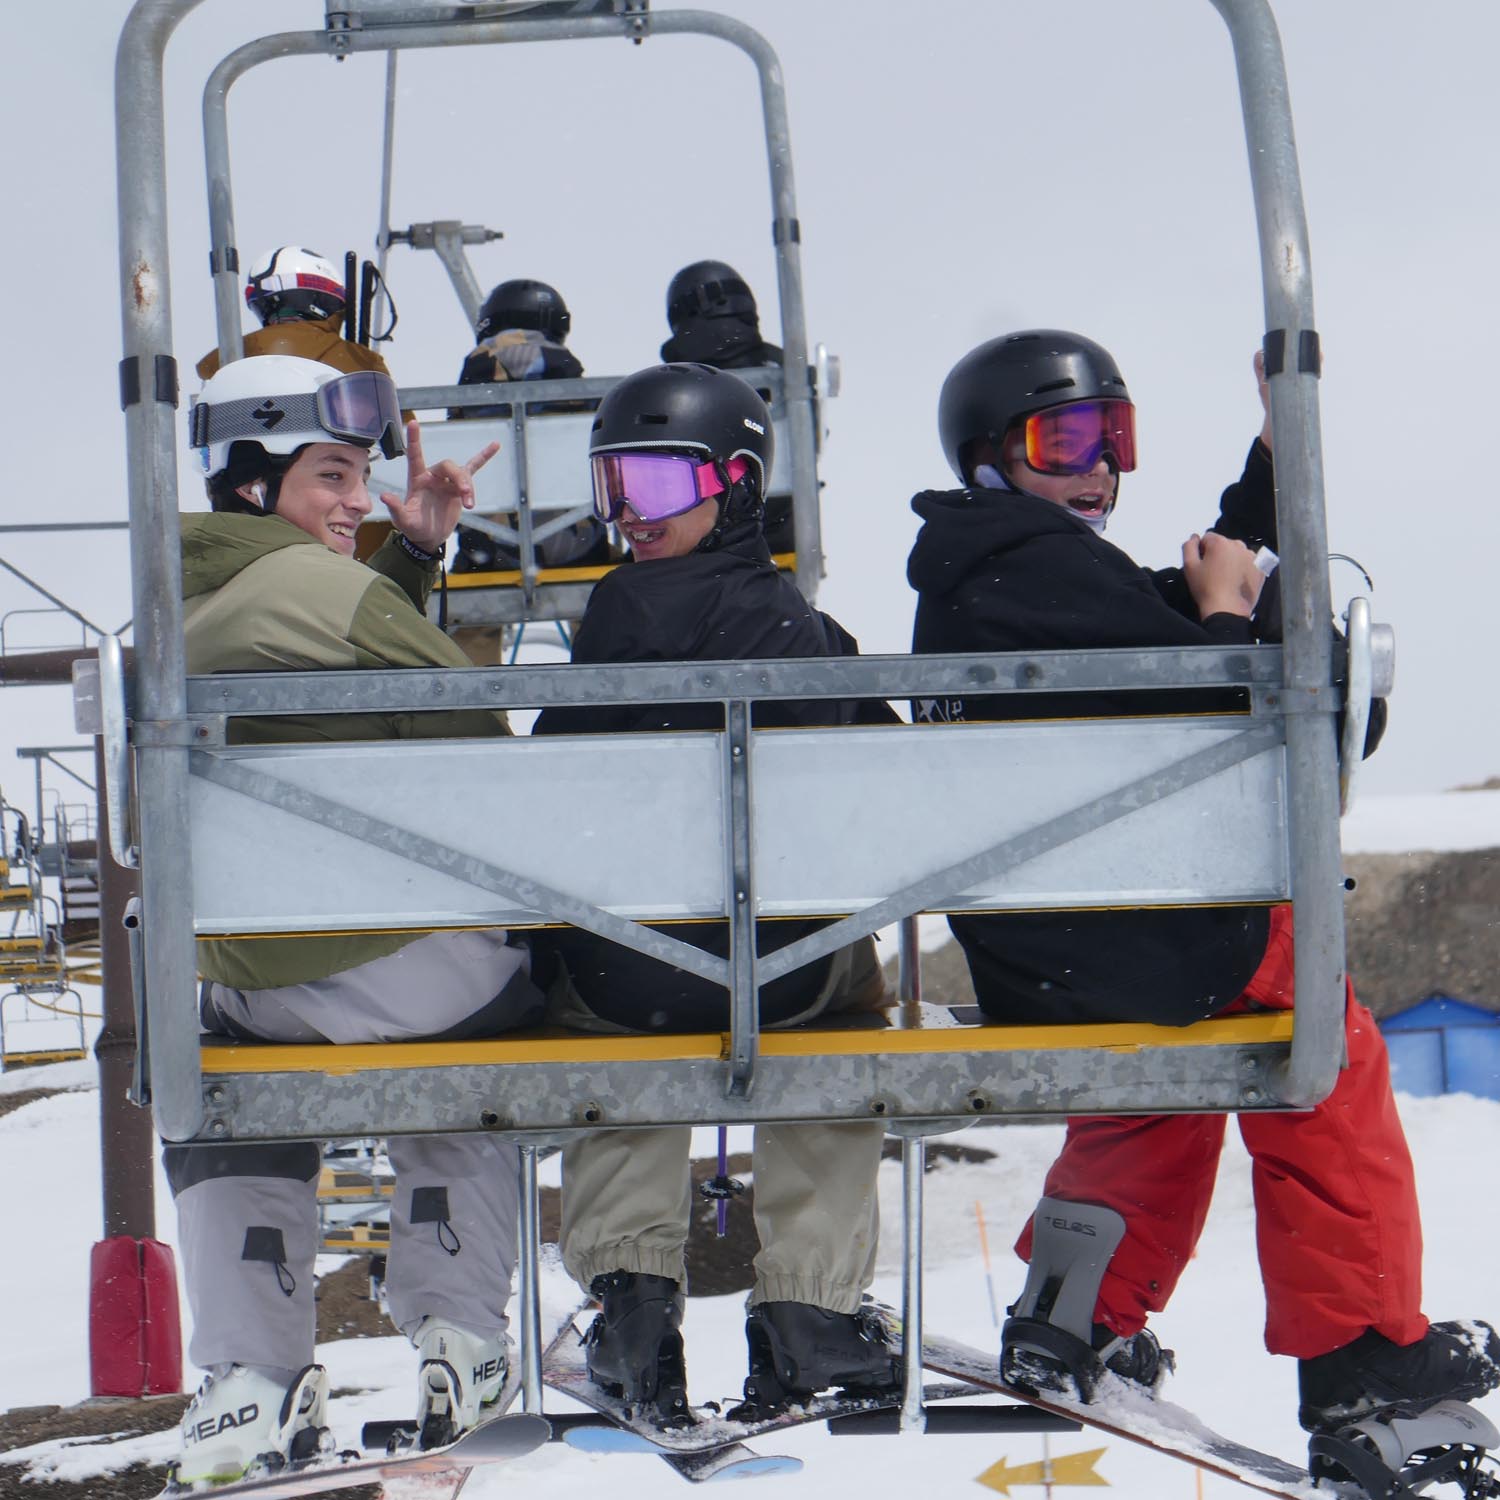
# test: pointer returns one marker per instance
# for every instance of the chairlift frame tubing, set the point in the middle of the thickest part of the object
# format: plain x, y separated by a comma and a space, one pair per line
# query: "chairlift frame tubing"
785, 227
387, 169
155, 558
1302, 534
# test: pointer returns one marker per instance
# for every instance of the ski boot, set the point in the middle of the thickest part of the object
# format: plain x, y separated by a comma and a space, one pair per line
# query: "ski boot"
1400, 1458
634, 1346
460, 1375
1050, 1342
797, 1349
244, 1423
1372, 1377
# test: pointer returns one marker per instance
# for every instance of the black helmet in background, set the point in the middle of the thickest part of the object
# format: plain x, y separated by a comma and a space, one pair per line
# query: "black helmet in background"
524, 304
693, 407
994, 386
709, 289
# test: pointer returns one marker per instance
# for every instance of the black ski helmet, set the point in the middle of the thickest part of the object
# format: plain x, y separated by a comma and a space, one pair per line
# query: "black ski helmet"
524, 304
994, 386
709, 289
696, 407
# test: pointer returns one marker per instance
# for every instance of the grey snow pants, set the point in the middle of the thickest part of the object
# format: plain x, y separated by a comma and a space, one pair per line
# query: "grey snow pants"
248, 1214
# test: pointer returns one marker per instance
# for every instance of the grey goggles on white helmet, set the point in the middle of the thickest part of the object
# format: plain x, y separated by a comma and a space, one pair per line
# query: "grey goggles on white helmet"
360, 408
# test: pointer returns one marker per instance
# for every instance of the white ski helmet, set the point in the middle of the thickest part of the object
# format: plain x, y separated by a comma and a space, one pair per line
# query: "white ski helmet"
282, 403
293, 280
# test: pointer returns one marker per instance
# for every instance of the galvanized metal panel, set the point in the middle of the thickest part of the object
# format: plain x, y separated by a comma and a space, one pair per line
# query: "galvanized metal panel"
568, 813
636, 824
843, 819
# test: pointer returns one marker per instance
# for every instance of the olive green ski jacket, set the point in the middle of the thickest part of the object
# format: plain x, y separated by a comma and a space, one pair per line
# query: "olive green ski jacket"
261, 595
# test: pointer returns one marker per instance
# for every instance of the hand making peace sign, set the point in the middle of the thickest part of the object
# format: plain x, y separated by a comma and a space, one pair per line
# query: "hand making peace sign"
434, 497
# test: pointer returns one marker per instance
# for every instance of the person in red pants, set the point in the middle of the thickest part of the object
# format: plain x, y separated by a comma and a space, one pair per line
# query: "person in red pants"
1039, 427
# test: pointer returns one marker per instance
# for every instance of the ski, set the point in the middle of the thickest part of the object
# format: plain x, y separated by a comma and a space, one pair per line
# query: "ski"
411, 1473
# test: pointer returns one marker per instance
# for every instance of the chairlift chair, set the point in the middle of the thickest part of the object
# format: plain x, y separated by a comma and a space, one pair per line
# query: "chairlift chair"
204, 807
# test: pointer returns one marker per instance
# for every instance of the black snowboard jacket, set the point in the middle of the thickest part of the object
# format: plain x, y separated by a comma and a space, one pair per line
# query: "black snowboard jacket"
998, 571
729, 604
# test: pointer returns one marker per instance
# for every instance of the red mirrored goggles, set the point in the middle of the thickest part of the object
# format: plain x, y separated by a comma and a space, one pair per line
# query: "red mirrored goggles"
657, 486
1071, 439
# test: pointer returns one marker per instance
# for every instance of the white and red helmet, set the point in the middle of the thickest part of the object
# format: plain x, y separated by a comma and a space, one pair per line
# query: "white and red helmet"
291, 281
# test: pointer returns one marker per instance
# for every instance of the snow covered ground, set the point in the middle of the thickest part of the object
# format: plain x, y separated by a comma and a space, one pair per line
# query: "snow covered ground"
49, 1164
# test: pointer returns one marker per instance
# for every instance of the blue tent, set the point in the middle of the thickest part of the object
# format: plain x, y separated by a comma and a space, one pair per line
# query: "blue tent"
1444, 1046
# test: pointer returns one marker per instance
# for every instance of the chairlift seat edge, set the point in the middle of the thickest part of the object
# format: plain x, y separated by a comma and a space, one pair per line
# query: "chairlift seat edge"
229, 1059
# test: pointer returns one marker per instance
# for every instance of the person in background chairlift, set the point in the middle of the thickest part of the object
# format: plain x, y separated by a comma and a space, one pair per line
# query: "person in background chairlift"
1039, 426
681, 455
299, 298
521, 331
714, 321
270, 583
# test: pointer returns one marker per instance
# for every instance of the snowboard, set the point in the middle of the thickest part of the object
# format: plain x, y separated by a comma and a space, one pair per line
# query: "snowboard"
624, 1431
1126, 1411
713, 1446
1385, 1459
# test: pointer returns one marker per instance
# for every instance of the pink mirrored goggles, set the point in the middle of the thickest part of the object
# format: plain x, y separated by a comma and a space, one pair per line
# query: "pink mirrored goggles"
656, 486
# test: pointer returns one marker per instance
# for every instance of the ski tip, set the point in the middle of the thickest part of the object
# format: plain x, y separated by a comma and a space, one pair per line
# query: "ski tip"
510, 1436
607, 1439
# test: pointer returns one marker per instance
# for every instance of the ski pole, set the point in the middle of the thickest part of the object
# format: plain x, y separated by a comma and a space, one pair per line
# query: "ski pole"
720, 1188
721, 1208
351, 296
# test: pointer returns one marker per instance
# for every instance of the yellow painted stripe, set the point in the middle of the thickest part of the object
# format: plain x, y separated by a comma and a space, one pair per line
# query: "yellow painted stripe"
1123, 1037
343, 1061
340, 1061
31, 1059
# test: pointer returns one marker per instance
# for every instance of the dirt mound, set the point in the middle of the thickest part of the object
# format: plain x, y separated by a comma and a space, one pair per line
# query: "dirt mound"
1421, 924
103, 1420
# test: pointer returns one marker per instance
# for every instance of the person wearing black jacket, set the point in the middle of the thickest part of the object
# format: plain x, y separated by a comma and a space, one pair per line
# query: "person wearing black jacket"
1039, 427
520, 334
714, 321
681, 454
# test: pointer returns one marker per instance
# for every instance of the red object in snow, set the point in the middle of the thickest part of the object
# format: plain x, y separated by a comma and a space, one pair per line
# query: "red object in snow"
135, 1331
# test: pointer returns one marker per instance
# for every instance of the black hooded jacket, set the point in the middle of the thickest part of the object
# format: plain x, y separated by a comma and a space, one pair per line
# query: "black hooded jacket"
725, 343
728, 604
998, 571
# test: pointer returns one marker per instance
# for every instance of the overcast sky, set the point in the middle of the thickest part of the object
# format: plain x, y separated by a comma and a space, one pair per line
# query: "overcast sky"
963, 168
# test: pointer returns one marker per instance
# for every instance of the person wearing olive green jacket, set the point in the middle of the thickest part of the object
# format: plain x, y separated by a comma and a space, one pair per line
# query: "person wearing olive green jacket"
270, 583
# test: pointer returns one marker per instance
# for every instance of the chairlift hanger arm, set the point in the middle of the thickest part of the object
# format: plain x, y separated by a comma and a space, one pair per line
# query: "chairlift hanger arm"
1286, 278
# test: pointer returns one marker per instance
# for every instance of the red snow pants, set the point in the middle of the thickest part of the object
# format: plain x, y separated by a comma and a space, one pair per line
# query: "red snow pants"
1336, 1221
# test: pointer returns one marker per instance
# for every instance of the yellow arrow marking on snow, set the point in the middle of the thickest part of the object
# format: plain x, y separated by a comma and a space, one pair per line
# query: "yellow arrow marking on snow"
1073, 1468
